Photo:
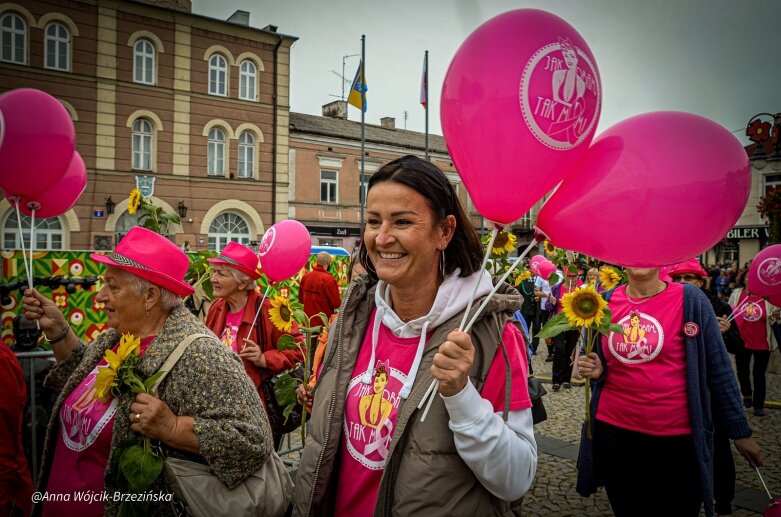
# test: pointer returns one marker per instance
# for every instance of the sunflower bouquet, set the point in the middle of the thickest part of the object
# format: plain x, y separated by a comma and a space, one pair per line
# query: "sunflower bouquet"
283, 313
135, 462
582, 308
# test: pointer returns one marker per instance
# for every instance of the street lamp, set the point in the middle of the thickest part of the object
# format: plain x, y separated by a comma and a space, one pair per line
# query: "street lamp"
182, 209
764, 130
109, 206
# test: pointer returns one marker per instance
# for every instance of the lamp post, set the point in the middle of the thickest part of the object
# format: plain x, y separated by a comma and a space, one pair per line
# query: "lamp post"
109, 206
182, 209
764, 130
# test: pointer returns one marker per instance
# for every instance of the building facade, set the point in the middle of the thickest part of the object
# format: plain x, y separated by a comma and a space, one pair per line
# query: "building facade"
192, 109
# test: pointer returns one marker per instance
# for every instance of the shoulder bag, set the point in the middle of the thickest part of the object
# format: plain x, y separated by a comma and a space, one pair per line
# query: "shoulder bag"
266, 492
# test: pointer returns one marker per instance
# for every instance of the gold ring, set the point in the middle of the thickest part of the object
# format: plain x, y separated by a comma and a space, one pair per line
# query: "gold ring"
138, 417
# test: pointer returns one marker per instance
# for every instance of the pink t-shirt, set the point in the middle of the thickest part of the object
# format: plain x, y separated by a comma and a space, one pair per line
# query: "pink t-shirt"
228, 336
371, 410
645, 387
752, 321
83, 447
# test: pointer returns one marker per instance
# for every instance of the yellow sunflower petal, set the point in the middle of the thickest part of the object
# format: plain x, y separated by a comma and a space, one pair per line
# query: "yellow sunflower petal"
104, 381
113, 359
281, 314
504, 243
583, 307
128, 344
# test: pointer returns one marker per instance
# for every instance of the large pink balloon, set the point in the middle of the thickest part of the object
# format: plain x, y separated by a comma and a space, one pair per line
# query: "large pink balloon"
284, 250
655, 189
764, 273
520, 104
38, 142
60, 197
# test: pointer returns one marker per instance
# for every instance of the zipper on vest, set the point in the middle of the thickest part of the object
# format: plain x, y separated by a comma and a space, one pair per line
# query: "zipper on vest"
330, 410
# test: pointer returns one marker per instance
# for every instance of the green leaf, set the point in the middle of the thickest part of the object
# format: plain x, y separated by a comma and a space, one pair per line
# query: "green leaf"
286, 342
555, 326
572, 268
151, 381
301, 317
285, 389
553, 278
286, 412
322, 317
140, 467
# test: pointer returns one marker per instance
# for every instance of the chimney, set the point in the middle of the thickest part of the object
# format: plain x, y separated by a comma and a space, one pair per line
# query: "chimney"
240, 18
270, 28
388, 122
335, 109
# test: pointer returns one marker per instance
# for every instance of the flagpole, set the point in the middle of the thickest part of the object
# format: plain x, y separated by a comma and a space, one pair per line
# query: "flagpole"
425, 67
361, 194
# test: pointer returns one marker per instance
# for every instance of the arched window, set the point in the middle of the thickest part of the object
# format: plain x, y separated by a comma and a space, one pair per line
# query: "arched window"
142, 145
58, 40
216, 152
227, 227
248, 77
246, 155
48, 233
13, 39
124, 223
144, 62
218, 75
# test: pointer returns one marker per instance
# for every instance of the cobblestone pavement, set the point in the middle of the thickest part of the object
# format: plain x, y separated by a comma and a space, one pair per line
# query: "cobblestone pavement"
553, 491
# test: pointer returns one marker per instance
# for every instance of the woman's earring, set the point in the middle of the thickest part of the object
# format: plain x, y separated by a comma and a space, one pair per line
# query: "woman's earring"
370, 268
442, 264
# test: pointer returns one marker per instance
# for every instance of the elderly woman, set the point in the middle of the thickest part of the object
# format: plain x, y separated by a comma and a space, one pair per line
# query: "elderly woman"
368, 452
232, 315
206, 409
659, 387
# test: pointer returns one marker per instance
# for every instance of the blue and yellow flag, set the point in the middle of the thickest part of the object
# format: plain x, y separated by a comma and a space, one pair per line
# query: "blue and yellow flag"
358, 86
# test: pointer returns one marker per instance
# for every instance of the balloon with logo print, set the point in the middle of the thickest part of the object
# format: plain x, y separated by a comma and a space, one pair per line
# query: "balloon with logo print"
284, 250
654, 189
38, 142
764, 273
520, 105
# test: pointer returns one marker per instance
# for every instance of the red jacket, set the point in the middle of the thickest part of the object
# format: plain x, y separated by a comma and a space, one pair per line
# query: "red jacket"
16, 485
265, 334
319, 292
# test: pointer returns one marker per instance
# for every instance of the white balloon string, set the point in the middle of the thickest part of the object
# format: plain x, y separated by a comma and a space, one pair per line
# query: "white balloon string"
32, 247
257, 313
494, 233
21, 238
769, 495
740, 309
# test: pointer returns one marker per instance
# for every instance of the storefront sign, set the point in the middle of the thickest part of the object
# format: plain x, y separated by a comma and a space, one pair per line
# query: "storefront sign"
748, 232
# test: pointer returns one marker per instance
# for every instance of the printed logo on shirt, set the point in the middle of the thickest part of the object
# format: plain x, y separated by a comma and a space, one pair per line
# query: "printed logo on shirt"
769, 271
370, 414
641, 340
83, 416
753, 312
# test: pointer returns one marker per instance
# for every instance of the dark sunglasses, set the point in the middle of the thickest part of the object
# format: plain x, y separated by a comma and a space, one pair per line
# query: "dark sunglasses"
685, 278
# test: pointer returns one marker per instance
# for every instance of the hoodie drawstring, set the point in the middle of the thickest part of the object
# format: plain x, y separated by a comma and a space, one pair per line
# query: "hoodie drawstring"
413, 372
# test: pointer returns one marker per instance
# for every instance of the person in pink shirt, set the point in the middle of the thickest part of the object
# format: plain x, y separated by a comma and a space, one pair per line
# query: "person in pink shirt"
658, 386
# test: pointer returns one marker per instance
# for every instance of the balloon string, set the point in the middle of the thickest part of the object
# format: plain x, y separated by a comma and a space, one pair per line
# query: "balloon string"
27, 267
740, 309
432, 392
32, 247
494, 233
260, 309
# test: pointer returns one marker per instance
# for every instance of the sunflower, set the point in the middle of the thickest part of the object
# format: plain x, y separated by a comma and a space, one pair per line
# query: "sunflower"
609, 277
583, 306
133, 201
525, 274
550, 249
281, 314
105, 380
503, 244
128, 344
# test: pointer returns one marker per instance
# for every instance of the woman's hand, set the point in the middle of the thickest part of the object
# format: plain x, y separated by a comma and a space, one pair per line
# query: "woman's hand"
37, 307
750, 450
590, 366
724, 324
452, 363
251, 352
305, 396
152, 417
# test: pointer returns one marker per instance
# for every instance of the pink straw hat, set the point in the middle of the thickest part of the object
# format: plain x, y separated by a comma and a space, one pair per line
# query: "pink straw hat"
150, 256
239, 256
691, 267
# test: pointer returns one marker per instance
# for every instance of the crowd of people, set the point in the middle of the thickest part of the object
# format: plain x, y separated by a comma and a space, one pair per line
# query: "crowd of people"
665, 402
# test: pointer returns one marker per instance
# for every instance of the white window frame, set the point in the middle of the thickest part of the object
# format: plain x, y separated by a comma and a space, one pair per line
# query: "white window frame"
61, 43
142, 144
15, 43
329, 184
47, 232
145, 54
246, 155
227, 227
216, 154
218, 66
248, 80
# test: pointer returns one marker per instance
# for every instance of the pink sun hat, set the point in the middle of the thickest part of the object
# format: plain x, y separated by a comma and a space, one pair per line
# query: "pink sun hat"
691, 267
238, 256
150, 256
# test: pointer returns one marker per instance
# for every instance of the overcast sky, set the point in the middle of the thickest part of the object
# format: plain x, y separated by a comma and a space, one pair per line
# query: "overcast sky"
717, 58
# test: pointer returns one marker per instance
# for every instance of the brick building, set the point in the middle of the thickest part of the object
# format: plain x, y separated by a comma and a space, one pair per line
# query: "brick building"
193, 109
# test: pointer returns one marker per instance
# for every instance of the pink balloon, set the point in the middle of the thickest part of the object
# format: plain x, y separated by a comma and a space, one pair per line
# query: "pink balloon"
38, 142
654, 189
284, 250
541, 266
60, 197
520, 104
764, 273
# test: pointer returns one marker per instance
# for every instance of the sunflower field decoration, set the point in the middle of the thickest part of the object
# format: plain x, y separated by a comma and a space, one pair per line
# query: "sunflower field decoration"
283, 313
582, 308
135, 463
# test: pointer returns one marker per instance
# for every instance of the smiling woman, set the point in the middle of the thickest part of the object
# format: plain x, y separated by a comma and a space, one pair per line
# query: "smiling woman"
393, 335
